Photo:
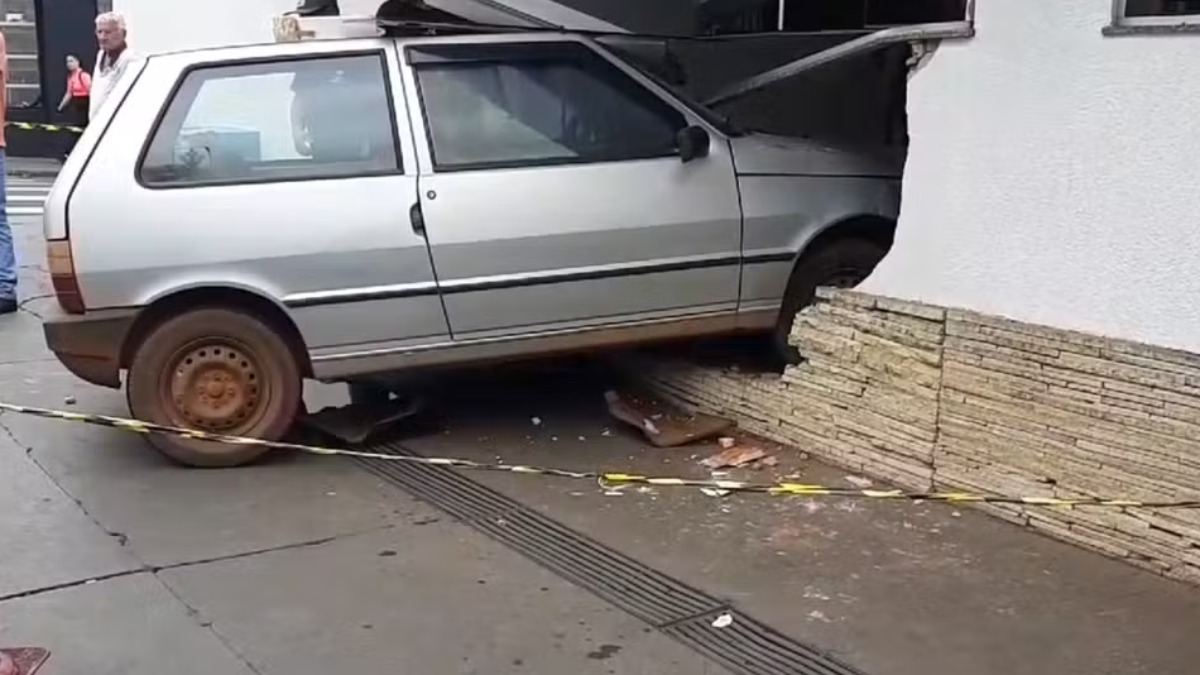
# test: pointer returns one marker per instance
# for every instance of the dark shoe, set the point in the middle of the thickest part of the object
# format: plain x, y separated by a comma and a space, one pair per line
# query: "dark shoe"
8, 305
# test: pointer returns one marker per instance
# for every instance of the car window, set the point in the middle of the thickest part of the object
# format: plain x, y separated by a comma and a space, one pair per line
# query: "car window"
531, 111
286, 120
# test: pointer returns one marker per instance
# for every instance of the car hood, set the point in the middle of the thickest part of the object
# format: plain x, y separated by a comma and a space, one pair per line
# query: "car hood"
784, 155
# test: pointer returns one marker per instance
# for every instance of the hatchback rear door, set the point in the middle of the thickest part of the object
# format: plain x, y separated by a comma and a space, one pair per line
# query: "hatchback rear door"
285, 171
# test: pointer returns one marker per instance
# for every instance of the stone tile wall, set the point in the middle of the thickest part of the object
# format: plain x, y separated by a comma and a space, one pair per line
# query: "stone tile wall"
927, 397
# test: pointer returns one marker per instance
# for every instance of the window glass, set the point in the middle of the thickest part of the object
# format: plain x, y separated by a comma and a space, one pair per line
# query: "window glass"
18, 22
314, 118
1161, 7
542, 111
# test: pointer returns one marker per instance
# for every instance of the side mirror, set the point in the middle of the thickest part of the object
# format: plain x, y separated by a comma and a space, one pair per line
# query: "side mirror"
692, 142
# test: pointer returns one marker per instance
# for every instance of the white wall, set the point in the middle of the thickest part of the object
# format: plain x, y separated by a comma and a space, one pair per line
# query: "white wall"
157, 26
1054, 176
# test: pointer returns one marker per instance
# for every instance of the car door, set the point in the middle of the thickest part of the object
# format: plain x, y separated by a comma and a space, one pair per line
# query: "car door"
553, 193
276, 170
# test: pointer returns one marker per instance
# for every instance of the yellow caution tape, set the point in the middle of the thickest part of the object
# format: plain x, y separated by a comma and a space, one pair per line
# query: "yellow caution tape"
607, 479
36, 126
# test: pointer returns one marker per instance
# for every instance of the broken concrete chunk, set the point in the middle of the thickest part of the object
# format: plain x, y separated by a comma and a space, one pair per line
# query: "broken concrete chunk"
357, 422
859, 481
766, 462
733, 457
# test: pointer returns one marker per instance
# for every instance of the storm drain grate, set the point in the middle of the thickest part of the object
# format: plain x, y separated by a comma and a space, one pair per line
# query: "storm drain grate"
751, 647
747, 647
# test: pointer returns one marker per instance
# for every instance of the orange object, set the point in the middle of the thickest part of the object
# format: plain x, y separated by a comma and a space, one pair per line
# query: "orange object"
79, 83
22, 660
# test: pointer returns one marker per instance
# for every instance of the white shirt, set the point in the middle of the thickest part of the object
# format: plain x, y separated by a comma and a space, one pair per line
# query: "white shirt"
105, 78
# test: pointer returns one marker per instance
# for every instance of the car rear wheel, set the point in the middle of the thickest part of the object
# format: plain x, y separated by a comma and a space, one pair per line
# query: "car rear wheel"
216, 370
843, 263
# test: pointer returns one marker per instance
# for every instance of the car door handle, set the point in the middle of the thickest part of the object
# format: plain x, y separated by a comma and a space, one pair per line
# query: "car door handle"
417, 218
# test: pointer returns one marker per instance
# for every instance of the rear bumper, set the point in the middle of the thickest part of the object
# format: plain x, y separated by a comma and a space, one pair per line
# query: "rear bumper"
90, 344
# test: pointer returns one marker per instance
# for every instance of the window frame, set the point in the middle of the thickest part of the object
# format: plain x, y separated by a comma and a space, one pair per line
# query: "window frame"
1122, 24
380, 53
420, 57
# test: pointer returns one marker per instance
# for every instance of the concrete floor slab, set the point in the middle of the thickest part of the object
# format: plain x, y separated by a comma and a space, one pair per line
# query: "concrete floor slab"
894, 588
435, 598
22, 339
46, 540
171, 514
126, 626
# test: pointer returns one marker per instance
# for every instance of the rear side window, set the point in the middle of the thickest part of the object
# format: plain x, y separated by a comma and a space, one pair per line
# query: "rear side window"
285, 120
558, 106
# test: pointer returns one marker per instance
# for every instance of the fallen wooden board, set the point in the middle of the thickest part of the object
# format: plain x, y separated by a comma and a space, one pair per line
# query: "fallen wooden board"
669, 429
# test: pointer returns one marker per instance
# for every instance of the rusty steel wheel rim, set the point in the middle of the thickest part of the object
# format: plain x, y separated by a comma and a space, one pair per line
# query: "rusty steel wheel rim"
216, 386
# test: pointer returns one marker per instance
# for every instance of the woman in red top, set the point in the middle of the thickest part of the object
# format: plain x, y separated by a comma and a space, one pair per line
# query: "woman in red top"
79, 91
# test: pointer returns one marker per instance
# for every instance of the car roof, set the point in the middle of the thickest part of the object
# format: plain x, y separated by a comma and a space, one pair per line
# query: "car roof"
331, 45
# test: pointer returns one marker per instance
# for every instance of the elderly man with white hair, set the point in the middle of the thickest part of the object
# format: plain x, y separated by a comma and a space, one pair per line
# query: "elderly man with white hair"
112, 60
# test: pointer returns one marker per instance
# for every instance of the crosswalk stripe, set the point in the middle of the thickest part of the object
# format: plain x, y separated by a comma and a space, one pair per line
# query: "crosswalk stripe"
27, 196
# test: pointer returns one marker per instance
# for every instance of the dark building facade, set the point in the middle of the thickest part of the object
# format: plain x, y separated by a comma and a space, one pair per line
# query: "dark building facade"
40, 34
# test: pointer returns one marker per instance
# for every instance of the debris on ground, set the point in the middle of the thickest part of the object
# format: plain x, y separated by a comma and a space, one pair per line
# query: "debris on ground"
714, 492
859, 481
537, 421
727, 442
357, 422
723, 621
767, 462
69, 400
665, 429
734, 457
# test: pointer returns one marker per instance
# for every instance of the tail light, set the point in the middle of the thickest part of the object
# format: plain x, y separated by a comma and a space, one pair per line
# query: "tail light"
62, 276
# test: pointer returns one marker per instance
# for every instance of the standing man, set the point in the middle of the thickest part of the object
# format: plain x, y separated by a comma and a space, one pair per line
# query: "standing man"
8, 257
112, 60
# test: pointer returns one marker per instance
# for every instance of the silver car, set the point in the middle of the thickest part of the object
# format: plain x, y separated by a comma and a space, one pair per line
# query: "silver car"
236, 220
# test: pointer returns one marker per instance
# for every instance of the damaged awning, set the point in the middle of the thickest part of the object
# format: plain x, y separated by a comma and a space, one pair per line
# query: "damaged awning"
867, 43
548, 14
515, 13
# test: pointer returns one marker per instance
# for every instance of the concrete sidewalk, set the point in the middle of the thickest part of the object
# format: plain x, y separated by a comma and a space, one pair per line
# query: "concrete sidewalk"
121, 562
32, 166
894, 588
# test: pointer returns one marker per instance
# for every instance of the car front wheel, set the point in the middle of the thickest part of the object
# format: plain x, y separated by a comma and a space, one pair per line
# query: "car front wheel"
843, 263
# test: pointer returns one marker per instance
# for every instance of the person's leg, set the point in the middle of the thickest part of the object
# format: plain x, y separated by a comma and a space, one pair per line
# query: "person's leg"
8, 257
77, 108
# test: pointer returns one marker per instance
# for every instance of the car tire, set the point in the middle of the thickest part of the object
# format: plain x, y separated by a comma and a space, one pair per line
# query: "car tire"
217, 370
842, 263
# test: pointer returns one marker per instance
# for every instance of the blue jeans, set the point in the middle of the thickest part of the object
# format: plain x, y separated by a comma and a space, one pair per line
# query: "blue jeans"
8, 256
